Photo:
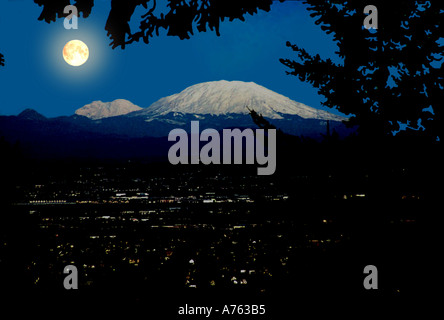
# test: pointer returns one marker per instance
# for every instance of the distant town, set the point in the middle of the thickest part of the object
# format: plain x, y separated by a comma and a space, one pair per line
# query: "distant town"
189, 229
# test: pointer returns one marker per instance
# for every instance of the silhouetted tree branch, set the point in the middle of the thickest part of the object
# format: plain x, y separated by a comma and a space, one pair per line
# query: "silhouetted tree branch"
180, 18
260, 121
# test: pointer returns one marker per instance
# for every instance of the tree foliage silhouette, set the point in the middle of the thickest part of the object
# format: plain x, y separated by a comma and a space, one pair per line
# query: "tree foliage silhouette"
390, 77
179, 17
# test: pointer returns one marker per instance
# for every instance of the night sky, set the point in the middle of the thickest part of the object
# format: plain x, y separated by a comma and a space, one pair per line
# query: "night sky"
37, 77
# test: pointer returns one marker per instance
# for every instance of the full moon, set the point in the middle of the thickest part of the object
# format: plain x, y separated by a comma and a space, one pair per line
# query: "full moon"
75, 53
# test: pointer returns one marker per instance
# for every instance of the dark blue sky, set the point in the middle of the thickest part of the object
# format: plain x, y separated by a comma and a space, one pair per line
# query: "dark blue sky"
36, 76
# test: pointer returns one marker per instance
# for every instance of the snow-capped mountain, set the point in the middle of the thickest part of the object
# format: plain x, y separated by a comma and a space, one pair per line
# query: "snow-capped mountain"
224, 104
217, 105
220, 98
100, 110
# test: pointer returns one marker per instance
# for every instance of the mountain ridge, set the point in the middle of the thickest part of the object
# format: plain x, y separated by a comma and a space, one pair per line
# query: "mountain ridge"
232, 97
122, 129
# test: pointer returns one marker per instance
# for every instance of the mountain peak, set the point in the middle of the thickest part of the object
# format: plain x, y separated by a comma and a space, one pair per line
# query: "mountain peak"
31, 114
99, 110
228, 97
